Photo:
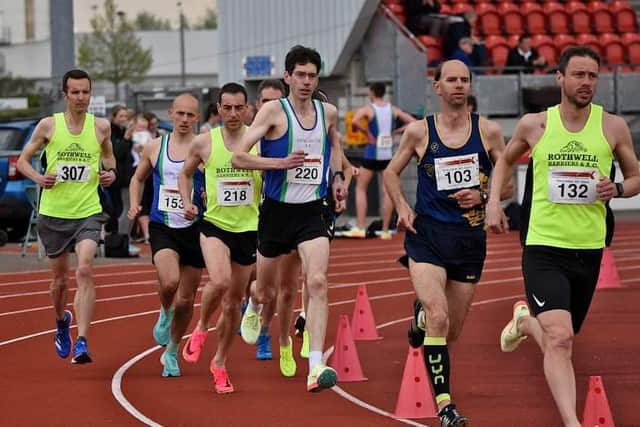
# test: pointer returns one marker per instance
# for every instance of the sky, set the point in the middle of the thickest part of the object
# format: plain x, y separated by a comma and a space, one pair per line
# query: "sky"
166, 9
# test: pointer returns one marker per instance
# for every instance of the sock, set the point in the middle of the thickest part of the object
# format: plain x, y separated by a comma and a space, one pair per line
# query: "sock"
436, 359
264, 330
254, 307
172, 347
303, 315
315, 358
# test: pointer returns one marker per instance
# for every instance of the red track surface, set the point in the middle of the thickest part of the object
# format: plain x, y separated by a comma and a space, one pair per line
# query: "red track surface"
491, 388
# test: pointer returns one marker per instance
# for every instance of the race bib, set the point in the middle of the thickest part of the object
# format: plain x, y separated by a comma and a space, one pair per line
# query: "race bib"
572, 186
72, 172
169, 200
309, 173
235, 192
384, 141
453, 173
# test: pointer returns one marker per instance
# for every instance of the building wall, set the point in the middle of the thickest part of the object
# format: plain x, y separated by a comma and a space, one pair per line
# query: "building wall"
12, 17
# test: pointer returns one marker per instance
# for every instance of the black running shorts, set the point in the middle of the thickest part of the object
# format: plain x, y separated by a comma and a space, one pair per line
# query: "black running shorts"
375, 165
242, 246
283, 226
561, 279
183, 241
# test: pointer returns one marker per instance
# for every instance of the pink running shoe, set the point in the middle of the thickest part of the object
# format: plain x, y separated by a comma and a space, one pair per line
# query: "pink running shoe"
193, 347
221, 379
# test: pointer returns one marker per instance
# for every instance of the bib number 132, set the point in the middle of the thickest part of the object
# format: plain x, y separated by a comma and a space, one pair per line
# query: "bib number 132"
572, 186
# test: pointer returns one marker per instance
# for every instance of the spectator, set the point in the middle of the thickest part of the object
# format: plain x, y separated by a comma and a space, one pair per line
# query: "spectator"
153, 125
459, 27
213, 118
524, 57
251, 112
119, 190
472, 104
464, 51
420, 16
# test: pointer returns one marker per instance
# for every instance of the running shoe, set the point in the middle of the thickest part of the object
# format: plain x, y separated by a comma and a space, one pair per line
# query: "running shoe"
356, 233
417, 328
193, 347
299, 325
450, 417
263, 348
385, 235
63, 335
250, 326
169, 360
321, 377
511, 337
162, 328
81, 353
221, 379
287, 362
304, 350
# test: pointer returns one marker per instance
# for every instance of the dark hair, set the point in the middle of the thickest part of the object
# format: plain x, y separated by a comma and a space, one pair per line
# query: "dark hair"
572, 51
300, 55
75, 74
522, 37
150, 116
212, 110
272, 83
473, 102
378, 89
116, 109
232, 88
438, 73
320, 95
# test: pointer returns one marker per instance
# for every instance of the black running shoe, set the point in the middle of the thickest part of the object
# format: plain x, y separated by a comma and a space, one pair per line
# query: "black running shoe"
415, 334
299, 326
450, 417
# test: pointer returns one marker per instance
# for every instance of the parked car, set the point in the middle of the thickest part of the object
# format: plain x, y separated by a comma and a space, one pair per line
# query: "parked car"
15, 206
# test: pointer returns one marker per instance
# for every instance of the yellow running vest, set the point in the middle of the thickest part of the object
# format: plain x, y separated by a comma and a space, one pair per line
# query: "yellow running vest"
75, 159
233, 195
565, 210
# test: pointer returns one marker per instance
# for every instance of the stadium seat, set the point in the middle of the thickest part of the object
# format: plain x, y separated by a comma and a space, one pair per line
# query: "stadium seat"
545, 47
388, 2
396, 8
625, 17
589, 40
601, 17
445, 9
612, 49
513, 22
434, 49
535, 18
512, 41
632, 42
557, 16
488, 19
460, 8
498, 50
563, 41
579, 16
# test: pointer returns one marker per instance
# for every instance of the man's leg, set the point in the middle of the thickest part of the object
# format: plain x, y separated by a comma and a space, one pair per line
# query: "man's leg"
85, 298
167, 263
387, 211
59, 291
263, 293
362, 184
288, 277
459, 297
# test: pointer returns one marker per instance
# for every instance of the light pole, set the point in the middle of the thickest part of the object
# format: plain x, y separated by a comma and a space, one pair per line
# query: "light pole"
183, 79
116, 62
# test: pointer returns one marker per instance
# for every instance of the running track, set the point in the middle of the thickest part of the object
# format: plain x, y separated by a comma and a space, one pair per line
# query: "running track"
492, 389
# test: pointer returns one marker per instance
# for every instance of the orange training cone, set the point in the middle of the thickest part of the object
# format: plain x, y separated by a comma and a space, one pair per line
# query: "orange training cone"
415, 399
596, 408
363, 324
345, 358
609, 277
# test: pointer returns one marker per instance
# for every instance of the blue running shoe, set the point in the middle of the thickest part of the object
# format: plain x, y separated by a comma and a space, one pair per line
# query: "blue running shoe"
162, 328
81, 353
63, 335
169, 360
263, 350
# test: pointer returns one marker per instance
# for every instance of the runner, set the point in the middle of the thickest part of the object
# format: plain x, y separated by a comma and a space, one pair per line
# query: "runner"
568, 187
445, 241
228, 235
174, 238
297, 153
77, 159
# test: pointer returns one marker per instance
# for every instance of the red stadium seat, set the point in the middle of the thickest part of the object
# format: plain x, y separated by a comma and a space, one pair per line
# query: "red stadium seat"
488, 19
498, 49
434, 48
513, 40
535, 18
625, 17
612, 49
601, 16
579, 16
591, 41
445, 9
397, 9
545, 47
632, 42
460, 8
558, 19
563, 41
511, 18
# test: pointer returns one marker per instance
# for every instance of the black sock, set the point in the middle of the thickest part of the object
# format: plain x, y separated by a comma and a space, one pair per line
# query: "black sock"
436, 359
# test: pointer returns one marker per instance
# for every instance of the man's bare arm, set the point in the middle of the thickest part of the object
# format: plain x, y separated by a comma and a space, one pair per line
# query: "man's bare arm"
143, 171
627, 159
41, 135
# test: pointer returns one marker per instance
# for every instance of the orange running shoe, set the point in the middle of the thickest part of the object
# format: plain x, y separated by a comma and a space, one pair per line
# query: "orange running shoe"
193, 347
221, 379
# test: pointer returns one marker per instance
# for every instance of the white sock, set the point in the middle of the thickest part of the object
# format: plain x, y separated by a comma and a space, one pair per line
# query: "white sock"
315, 358
302, 314
254, 307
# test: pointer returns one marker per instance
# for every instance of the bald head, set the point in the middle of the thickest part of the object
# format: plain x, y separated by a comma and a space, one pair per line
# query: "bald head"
185, 98
452, 84
184, 113
452, 66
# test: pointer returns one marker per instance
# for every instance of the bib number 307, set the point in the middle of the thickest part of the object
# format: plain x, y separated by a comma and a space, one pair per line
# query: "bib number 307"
73, 172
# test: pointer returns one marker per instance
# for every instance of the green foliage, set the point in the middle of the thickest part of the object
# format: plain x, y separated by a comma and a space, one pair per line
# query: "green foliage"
146, 21
209, 20
112, 52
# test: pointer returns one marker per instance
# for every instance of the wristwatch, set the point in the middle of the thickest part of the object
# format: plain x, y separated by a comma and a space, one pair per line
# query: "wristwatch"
484, 197
619, 189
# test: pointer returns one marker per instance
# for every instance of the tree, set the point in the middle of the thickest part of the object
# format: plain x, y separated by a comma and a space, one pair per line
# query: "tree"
112, 52
146, 21
209, 21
